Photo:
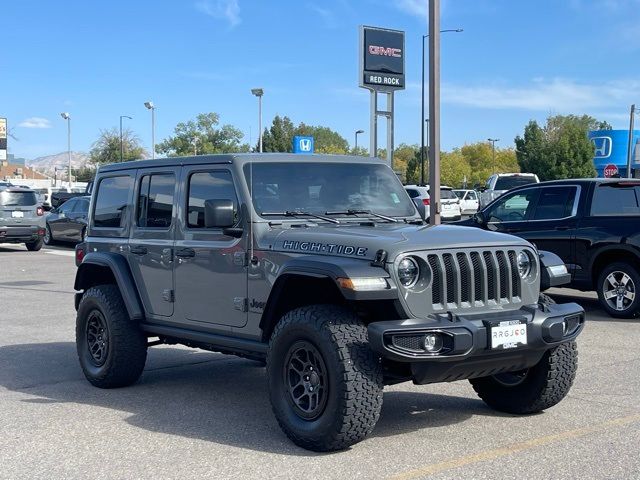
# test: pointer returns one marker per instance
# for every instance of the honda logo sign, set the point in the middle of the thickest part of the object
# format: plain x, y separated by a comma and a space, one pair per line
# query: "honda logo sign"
302, 144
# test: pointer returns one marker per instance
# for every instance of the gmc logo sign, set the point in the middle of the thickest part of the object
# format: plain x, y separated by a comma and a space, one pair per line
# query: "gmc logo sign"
385, 52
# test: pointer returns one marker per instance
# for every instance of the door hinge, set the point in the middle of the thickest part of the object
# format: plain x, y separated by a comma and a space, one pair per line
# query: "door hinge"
167, 295
241, 304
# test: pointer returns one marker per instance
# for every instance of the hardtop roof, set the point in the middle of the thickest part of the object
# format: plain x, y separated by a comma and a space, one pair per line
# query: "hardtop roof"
237, 158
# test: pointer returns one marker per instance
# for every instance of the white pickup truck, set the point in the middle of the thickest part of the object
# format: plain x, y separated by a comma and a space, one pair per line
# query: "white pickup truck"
499, 183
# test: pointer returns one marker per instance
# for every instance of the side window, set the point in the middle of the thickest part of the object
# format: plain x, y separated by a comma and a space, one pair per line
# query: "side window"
67, 206
513, 207
82, 206
155, 200
413, 193
472, 196
111, 201
614, 200
555, 203
203, 186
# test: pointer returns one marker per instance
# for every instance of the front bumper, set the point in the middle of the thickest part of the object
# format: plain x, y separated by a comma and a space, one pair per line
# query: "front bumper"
466, 351
23, 233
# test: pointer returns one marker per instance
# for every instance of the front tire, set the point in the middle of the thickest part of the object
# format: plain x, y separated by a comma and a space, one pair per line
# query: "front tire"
325, 383
534, 389
111, 348
618, 292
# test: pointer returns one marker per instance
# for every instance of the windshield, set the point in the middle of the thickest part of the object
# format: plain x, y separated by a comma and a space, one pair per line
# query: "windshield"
17, 199
507, 183
327, 187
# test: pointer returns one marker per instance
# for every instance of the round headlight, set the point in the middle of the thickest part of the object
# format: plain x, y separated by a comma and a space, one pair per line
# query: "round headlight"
408, 272
524, 264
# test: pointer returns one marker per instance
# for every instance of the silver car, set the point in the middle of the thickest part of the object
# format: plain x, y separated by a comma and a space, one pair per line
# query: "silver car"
21, 218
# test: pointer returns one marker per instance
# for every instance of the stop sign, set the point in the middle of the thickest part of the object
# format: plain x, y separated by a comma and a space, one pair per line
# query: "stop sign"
610, 171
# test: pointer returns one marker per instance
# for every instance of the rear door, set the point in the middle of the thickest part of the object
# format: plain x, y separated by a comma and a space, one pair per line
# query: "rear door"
152, 238
61, 226
78, 219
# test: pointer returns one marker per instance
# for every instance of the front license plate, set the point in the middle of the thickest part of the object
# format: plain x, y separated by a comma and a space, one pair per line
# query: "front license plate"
17, 214
508, 334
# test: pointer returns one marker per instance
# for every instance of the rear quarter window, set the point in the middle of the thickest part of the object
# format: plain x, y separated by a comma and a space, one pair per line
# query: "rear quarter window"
615, 200
112, 202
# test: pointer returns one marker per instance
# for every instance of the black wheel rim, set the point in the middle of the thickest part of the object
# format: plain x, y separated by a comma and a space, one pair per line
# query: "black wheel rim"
97, 338
305, 378
511, 379
47, 235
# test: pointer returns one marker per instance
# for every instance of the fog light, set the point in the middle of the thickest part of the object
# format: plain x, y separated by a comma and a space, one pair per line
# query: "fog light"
570, 325
433, 342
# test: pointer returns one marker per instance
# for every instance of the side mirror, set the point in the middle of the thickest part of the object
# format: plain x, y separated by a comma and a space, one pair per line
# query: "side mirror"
218, 213
479, 218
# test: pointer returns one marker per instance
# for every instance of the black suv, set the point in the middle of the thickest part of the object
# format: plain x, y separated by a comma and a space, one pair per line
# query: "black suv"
592, 224
320, 266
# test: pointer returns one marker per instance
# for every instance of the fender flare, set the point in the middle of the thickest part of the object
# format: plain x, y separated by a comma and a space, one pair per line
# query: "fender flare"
118, 266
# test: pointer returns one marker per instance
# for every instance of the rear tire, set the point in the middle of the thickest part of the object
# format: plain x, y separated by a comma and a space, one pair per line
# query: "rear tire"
611, 280
111, 348
325, 383
34, 246
535, 389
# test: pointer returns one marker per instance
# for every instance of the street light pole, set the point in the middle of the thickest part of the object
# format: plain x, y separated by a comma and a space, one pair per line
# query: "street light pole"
630, 147
258, 92
152, 107
67, 117
457, 30
121, 143
493, 149
356, 144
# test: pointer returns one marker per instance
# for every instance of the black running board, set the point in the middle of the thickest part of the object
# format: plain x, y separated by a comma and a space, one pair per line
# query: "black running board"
210, 341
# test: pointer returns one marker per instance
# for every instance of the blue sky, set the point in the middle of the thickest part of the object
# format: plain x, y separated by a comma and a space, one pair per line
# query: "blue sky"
515, 61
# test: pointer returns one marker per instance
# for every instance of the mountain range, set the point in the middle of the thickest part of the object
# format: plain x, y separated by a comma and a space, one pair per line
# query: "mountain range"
48, 163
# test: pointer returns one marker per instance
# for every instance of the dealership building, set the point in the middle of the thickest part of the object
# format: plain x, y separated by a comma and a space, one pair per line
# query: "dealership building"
611, 151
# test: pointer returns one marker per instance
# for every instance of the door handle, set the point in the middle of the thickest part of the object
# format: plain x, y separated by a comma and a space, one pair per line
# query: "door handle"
138, 250
185, 253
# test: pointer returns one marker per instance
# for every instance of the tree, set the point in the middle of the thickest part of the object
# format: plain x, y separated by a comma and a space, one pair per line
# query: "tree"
455, 169
278, 137
561, 149
203, 136
84, 174
106, 149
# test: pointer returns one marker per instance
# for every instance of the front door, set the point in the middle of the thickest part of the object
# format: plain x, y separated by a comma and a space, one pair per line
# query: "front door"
210, 271
152, 237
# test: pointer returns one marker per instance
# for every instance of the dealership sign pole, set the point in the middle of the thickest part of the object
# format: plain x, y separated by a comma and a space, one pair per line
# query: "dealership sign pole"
434, 111
3, 139
381, 71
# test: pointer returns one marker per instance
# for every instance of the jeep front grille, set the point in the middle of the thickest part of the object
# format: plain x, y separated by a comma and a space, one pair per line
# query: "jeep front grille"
473, 279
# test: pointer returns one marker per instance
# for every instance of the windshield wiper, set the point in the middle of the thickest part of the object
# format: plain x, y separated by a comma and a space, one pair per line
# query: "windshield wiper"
362, 212
296, 213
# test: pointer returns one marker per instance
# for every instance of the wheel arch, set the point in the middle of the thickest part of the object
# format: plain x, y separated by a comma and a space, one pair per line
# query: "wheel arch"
99, 268
610, 254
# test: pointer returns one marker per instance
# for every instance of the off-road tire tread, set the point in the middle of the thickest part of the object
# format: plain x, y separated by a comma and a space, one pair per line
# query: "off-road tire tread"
361, 389
549, 382
127, 343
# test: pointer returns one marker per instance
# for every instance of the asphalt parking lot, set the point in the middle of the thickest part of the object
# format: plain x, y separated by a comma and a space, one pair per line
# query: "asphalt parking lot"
203, 415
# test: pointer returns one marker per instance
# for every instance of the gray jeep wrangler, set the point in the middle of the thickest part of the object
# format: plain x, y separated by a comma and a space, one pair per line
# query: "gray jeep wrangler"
321, 267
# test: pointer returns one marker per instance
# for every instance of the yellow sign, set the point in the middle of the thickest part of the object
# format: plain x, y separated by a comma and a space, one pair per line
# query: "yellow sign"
3, 128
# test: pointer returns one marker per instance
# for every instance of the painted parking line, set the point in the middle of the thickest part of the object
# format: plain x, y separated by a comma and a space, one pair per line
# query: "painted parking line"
62, 253
514, 448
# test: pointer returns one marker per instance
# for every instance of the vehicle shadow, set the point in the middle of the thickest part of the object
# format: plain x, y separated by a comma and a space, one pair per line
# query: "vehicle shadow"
206, 396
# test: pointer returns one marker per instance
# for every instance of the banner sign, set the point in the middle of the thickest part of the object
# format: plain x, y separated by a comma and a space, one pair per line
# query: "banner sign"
3, 138
382, 59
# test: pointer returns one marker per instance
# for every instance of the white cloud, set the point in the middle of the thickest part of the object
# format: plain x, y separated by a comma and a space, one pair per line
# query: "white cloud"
545, 95
35, 122
228, 10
